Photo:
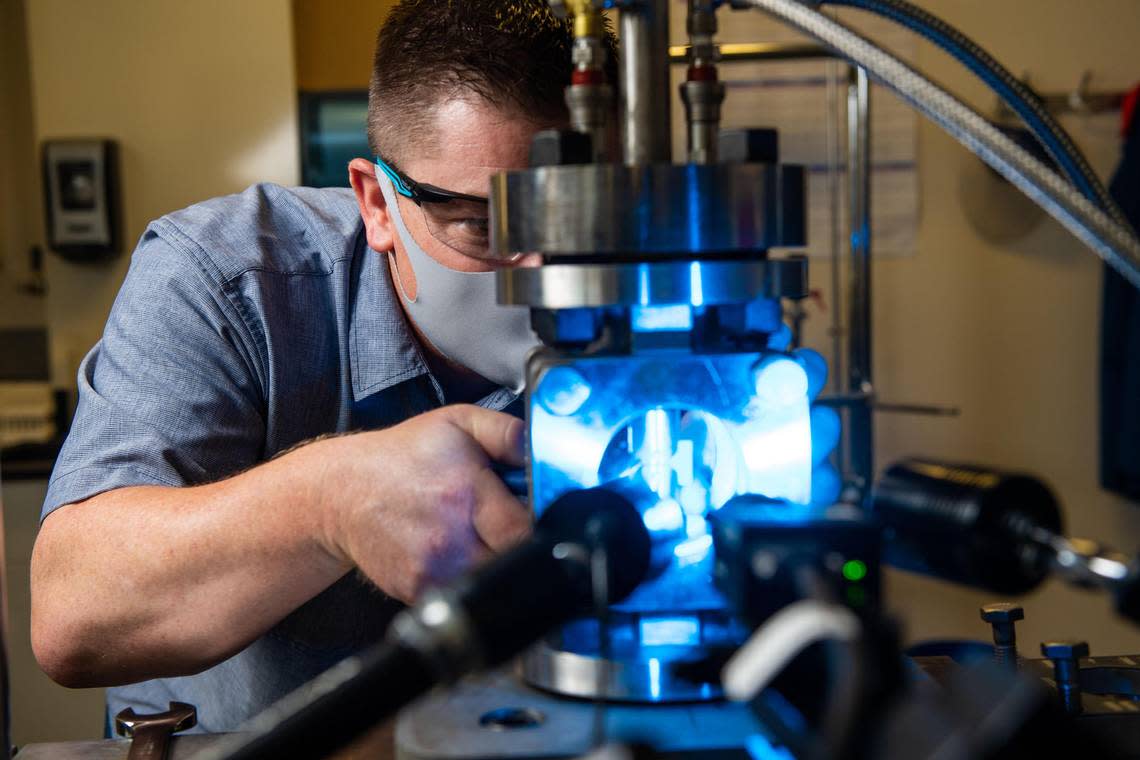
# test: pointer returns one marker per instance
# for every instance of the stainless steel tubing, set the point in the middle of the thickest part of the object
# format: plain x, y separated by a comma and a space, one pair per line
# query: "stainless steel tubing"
860, 441
1112, 242
646, 121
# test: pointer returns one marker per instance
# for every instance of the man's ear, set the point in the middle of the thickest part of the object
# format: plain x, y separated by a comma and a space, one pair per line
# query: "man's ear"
373, 208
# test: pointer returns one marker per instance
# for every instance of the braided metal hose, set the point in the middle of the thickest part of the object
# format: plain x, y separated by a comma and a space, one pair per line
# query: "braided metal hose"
1108, 239
1016, 94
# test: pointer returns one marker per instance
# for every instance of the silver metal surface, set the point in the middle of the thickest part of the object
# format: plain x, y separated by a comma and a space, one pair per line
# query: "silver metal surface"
446, 725
590, 105
646, 125
702, 96
859, 378
658, 210
438, 628
640, 680
570, 286
702, 119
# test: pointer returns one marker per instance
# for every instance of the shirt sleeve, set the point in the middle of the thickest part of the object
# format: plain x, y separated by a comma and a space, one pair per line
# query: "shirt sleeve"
171, 393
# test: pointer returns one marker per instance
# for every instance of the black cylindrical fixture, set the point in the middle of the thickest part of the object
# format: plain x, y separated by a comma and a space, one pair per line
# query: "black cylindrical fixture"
966, 524
336, 708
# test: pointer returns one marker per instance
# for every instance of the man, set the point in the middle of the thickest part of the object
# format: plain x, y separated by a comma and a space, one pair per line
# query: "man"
192, 540
204, 538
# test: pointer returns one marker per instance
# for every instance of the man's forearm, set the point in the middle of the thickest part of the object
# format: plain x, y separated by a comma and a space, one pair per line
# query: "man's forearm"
149, 581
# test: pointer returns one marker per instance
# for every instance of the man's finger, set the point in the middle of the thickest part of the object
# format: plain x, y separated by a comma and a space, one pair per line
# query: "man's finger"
499, 434
500, 519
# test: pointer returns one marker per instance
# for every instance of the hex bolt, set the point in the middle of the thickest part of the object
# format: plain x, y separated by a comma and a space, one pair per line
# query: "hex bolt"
1066, 656
1002, 616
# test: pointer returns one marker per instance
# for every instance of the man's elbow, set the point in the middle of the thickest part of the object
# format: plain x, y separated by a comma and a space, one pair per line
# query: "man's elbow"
56, 623
59, 657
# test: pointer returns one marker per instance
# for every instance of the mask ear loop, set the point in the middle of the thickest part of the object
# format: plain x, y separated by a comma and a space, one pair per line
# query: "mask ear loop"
397, 222
399, 278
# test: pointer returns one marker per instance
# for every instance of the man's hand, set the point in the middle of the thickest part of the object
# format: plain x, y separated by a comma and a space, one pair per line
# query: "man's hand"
202, 571
417, 504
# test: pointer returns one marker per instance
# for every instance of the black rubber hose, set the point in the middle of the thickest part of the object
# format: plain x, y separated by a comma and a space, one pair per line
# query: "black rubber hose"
1015, 93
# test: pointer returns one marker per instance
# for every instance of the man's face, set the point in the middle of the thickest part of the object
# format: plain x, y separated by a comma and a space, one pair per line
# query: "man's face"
472, 140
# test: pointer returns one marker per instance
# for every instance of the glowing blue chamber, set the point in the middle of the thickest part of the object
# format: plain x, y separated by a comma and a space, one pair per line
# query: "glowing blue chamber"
679, 435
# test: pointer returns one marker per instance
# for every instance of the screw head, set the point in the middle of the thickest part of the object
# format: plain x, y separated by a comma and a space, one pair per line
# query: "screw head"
1065, 650
1002, 612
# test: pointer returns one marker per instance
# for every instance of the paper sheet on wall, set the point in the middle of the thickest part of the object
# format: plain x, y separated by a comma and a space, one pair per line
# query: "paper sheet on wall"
806, 102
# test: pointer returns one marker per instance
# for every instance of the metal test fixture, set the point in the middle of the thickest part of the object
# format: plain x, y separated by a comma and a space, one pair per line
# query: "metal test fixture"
670, 459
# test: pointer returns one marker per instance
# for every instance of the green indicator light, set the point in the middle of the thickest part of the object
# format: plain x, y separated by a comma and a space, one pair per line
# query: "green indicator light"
854, 570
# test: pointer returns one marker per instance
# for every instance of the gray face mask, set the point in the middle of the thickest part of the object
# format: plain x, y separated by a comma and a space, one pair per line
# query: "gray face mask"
457, 311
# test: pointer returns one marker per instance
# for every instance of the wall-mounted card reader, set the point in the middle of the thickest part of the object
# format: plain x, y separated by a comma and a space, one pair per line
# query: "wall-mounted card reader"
82, 198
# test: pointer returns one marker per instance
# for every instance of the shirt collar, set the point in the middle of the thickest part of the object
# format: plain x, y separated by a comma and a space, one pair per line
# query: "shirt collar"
382, 348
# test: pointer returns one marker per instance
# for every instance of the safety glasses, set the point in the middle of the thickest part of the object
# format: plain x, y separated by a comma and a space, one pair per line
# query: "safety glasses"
420, 192
457, 220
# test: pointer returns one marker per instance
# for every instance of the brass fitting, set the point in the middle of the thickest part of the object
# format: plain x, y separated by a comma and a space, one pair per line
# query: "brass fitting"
587, 15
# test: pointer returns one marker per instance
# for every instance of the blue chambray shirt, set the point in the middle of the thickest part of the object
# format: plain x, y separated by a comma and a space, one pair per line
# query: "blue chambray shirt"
247, 324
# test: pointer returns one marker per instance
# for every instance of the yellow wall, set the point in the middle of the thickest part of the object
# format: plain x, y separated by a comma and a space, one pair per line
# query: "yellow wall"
334, 41
20, 220
201, 98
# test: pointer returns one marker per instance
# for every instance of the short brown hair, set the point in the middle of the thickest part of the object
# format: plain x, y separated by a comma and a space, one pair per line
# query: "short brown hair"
514, 54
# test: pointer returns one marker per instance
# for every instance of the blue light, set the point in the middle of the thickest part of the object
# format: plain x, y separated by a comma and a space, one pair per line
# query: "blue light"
665, 631
661, 318
696, 287
664, 517
563, 390
697, 526
693, 550
760, 748
781, 380
654, 678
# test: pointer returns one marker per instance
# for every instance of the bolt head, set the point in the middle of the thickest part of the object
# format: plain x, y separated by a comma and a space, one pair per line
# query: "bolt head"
1002, 612
1065, 650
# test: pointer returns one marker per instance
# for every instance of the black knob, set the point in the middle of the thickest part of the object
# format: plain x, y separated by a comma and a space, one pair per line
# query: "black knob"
1002, 616
1066, 656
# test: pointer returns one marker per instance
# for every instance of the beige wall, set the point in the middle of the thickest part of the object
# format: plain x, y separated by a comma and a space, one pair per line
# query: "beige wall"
1008, 333
201, 98
20, 219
